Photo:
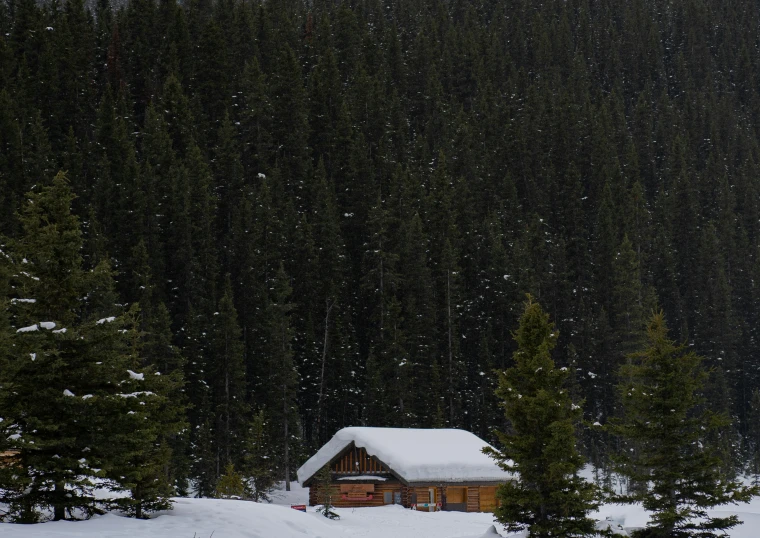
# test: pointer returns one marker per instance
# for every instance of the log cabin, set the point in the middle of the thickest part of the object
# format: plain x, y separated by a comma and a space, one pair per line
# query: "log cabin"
422, 469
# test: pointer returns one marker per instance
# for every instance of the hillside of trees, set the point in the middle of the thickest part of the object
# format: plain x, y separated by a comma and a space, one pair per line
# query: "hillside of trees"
330, 212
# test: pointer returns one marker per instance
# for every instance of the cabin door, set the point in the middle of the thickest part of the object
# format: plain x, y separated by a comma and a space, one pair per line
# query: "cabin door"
431, 503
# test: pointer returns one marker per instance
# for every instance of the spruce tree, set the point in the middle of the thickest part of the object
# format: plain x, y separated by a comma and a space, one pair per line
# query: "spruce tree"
257, 460
548, 498
64, 395
665, 418
226, 377
325, 485
150, 416
753, 438
281, 378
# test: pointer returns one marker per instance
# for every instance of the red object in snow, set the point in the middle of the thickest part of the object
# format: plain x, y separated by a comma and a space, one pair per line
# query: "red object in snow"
299, 507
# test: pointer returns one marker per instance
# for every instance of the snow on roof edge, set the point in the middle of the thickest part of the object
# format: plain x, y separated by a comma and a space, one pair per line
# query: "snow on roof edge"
415, 455
323, 456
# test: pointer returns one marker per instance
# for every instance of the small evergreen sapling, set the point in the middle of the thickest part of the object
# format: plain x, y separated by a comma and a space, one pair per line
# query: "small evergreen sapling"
257, 460
548, 498
230, 484
666, 420
324, 481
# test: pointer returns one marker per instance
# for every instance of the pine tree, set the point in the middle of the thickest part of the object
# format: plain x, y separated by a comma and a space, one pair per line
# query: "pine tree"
548, 498
666, 419
257, 460
145, 418
64, 394
281, 378
325, 485
230, 484
753, 438
226, 377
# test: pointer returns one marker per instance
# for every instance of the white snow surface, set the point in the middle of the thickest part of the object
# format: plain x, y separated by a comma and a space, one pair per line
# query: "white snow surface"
241, 519
416, 455
49, 325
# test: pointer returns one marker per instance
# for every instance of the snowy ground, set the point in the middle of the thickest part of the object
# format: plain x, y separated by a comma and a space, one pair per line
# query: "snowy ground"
210, 518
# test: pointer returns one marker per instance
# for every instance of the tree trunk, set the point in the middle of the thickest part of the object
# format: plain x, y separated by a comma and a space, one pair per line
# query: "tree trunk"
451, 351
287, 444
59, 510
325, 343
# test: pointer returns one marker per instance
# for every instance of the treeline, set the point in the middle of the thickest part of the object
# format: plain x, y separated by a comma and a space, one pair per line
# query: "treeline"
329, 212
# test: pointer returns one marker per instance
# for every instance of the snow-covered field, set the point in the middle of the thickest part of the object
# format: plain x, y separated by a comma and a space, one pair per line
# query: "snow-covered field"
211, 518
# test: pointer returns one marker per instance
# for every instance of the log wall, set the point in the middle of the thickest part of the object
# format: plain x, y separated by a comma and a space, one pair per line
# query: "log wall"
351, 501
476, 498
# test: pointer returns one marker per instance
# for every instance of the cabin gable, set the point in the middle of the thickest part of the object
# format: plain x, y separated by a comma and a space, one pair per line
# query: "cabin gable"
356, 461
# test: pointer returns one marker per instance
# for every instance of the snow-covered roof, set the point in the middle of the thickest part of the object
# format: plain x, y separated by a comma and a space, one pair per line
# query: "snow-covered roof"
415, 455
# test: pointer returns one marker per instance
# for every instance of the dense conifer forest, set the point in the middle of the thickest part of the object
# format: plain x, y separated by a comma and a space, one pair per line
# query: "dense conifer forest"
307, 215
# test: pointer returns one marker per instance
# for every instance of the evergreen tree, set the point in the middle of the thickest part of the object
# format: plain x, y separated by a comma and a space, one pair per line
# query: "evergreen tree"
281, 378
549, 498
325, 485
65, 392
753, 438
146, 418
226, 376
666, 419
257, 460
230, 484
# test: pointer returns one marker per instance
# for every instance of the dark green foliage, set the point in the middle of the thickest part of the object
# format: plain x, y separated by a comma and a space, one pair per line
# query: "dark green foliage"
227, 391
669, 432
324, 483
604, 160
151, 466
548, 497
257, 462
753, 438
280, 380
74, 402
230, 484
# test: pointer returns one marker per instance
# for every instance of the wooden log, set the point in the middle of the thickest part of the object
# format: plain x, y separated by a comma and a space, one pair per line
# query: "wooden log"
473, 499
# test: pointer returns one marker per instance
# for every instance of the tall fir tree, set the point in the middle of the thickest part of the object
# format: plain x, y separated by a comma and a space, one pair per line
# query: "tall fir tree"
549, 498
281, 378
666, 419
65, 389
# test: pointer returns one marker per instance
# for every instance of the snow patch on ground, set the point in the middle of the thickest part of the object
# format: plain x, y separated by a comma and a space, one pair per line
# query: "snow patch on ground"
241, 519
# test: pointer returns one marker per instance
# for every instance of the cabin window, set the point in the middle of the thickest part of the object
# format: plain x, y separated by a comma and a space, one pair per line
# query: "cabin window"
387, 497
487, 499
456, 499
455, 495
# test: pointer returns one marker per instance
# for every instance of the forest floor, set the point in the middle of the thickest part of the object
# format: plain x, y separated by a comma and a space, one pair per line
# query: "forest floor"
212, 518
